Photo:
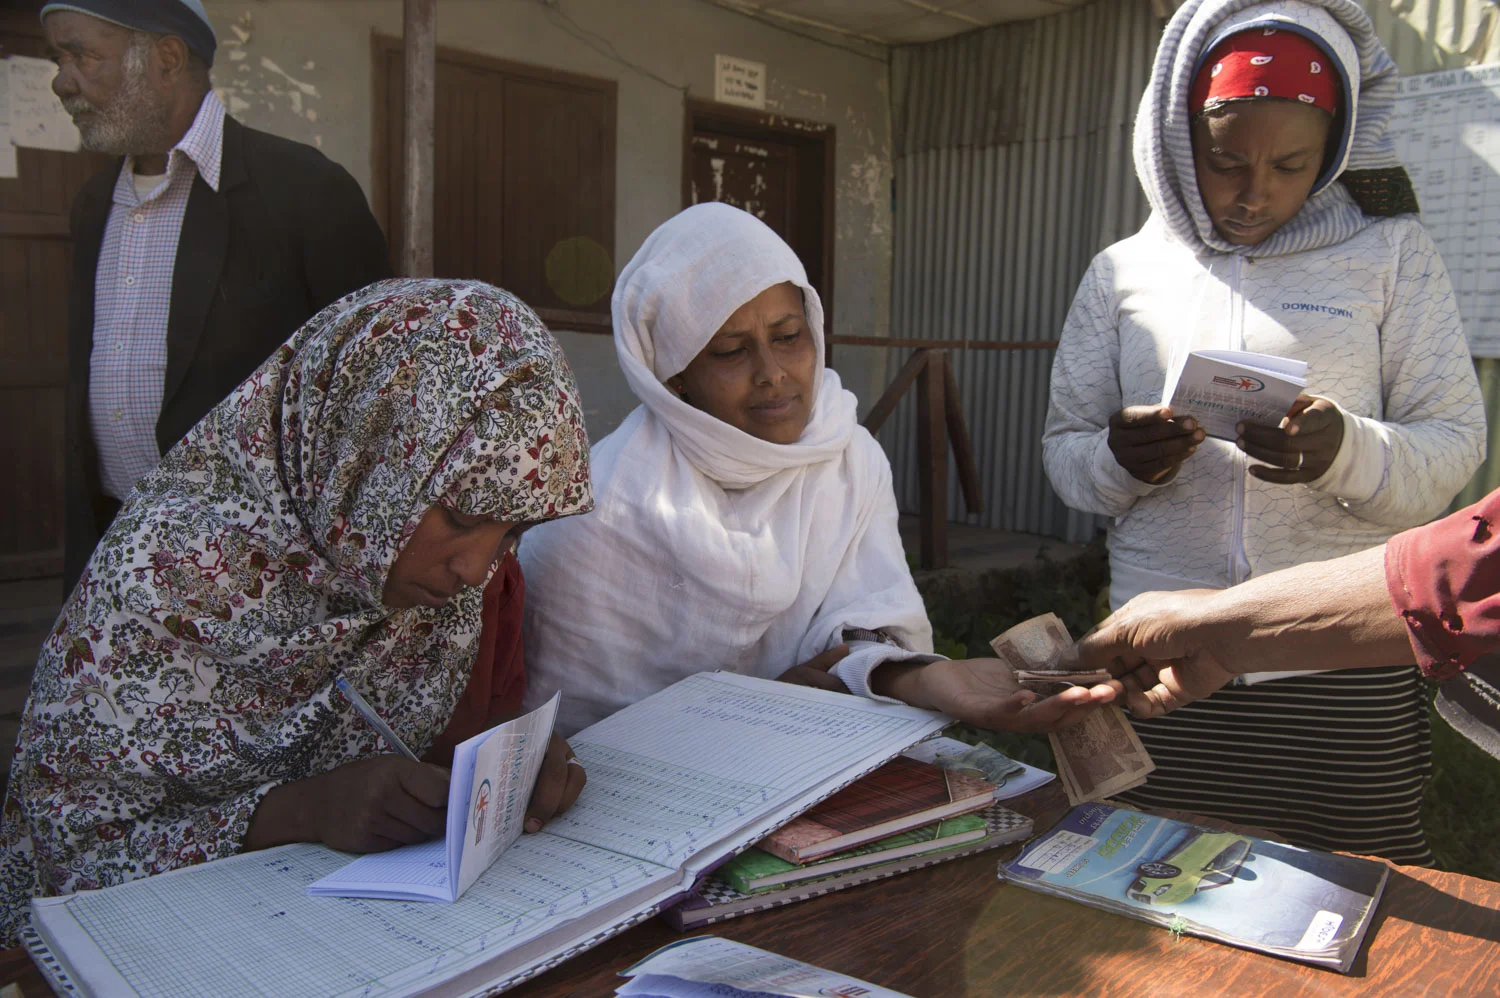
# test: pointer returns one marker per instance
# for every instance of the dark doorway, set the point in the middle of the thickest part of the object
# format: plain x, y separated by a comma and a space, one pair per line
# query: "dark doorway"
777, 168
36, 253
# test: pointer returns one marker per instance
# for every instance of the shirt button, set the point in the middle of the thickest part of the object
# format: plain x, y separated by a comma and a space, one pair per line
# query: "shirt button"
119, 348
119, 414
139, 217
129, 282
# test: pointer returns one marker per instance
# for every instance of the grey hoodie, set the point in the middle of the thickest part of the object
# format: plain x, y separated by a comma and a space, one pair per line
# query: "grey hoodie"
1365, 301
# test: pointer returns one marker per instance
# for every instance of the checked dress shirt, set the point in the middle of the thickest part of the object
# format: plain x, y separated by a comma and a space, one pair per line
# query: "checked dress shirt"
133, 298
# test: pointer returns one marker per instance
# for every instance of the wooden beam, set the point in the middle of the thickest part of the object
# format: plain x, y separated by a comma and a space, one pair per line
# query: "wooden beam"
958, 436
886, 404
932, 461
417, 202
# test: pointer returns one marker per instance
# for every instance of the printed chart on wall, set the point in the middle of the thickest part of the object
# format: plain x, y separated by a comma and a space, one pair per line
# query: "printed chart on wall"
1447, 131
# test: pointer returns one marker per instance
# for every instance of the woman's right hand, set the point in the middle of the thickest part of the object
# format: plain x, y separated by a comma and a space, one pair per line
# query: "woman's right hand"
1150, 444
369, 805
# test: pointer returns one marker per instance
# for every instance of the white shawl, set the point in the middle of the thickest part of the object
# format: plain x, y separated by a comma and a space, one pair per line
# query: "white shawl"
710, 548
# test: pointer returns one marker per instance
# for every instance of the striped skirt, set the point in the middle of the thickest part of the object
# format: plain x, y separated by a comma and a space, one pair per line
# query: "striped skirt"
1334, 761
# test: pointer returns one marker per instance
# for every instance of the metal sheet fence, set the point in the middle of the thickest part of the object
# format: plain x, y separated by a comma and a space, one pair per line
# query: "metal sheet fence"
1013, 170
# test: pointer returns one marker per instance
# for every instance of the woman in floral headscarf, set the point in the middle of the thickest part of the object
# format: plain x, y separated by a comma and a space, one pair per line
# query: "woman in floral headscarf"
336, 516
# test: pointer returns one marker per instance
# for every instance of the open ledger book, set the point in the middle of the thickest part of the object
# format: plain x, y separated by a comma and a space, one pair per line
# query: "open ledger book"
493, 774
676, 783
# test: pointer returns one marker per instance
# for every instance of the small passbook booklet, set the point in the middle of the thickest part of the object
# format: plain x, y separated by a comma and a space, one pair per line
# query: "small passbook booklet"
1222, 388
1313, 907
677, 783
493, 774
901, 795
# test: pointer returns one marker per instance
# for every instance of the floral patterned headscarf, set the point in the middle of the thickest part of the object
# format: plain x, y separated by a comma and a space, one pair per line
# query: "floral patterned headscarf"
191, 670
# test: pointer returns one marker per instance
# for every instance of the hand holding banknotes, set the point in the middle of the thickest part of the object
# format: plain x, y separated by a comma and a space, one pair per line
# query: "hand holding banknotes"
985, 692
1169, 649
1150, 443
1301, 448
1163, 651
1101, 755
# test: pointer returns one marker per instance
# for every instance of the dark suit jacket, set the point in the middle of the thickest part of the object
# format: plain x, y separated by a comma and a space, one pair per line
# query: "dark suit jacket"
287, 233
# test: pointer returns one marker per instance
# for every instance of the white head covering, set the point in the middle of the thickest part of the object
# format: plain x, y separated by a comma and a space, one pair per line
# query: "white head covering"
710, 548
1163, 135
681, 286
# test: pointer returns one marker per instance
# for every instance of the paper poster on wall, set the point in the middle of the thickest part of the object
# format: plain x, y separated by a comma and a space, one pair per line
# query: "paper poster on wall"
739, 81
8, 168
37, 118
1446, 127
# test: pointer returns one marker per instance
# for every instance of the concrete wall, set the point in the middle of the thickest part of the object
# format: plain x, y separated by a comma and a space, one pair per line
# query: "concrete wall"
302, 68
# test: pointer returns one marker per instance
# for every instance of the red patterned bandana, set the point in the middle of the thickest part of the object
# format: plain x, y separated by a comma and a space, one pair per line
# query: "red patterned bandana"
1266, 62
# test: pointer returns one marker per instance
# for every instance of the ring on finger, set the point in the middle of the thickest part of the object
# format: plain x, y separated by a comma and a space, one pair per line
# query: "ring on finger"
1300, 456
572, 760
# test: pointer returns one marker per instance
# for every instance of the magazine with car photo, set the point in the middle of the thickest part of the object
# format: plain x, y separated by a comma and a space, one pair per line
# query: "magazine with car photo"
1304, 905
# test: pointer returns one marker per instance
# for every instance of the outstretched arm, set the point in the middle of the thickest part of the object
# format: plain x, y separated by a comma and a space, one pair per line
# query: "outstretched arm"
1170, 649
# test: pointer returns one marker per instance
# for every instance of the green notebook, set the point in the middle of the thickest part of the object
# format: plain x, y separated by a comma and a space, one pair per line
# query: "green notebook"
757, 870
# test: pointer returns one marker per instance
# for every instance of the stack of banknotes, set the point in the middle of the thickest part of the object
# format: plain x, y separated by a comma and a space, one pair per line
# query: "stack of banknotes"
1101, 756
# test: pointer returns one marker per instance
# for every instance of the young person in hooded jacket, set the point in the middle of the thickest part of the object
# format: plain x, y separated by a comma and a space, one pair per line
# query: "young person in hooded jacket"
1283, 224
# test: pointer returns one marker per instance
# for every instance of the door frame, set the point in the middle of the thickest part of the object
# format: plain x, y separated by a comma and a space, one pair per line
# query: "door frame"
814, 139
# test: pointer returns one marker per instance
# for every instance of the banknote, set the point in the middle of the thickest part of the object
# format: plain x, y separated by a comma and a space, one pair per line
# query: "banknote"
1088, 678
1098, 757
1036, 645
983, 762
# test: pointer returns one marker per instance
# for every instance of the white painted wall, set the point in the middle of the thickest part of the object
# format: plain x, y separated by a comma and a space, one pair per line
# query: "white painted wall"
302, 69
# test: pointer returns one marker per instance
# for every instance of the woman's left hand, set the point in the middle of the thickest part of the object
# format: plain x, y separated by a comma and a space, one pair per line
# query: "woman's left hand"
984, 692
1301, 449
557, 786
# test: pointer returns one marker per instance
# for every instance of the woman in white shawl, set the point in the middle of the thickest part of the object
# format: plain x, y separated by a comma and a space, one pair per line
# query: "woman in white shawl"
744, 521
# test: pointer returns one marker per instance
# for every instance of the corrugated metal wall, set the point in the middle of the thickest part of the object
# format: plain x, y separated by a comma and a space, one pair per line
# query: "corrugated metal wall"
1013, 168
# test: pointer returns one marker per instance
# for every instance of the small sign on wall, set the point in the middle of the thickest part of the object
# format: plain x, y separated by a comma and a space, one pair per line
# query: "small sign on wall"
739, 81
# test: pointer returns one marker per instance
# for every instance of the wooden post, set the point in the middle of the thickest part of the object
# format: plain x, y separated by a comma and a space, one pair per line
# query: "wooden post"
417, 202
932, 459
958, 434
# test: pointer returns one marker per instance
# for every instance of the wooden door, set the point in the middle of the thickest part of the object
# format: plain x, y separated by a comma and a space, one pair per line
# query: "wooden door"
35, 268
778, 169
524, 169
760, 177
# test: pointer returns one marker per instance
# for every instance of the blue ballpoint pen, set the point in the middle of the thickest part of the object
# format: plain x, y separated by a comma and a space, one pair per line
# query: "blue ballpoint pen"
363, 706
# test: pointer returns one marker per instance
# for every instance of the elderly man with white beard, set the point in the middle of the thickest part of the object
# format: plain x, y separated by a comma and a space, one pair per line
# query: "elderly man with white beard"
196, 255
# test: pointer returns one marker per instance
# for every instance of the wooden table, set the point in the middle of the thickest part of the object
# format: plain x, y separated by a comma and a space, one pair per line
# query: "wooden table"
953, 930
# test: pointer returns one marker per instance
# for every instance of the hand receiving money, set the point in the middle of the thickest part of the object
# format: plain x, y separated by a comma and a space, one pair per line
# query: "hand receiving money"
1098, 757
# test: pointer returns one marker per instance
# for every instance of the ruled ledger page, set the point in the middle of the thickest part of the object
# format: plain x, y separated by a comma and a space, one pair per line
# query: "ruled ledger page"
675, 782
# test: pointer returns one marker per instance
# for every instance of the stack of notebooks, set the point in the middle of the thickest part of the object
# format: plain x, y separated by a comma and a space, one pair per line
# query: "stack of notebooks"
904, 816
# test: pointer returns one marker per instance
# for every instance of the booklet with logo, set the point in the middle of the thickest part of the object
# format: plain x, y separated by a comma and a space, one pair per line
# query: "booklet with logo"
1313, 907
1220, 388
493, 774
